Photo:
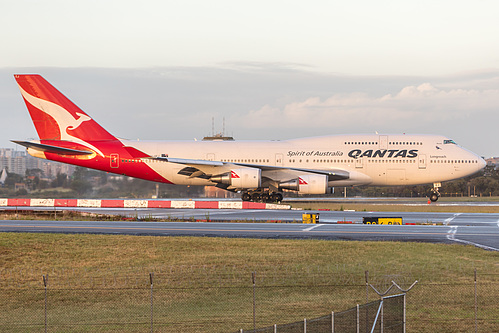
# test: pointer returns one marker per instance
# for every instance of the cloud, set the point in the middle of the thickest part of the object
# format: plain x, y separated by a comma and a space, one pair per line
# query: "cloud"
415, 104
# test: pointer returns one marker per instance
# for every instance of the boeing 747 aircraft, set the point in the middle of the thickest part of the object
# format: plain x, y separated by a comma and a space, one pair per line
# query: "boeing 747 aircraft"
260, 170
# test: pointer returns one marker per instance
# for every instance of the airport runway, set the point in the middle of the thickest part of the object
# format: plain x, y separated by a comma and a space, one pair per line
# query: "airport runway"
480, 230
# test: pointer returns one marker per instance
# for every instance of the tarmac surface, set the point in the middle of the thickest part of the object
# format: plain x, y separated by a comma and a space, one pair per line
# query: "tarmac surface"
481, 230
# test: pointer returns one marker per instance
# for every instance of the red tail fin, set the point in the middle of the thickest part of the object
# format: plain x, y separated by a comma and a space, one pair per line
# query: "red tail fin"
55, 117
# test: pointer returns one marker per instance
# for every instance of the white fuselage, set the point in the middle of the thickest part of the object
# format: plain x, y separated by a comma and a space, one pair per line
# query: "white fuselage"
369, 159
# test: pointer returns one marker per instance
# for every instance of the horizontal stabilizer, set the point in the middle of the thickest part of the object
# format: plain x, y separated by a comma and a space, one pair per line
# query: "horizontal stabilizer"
52, 149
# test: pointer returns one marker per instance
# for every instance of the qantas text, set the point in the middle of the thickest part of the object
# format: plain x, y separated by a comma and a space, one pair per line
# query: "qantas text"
393, 153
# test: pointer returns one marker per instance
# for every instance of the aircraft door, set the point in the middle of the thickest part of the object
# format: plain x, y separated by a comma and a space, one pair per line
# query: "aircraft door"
359, 163
278, 159
422, 161
383, 142
210, 157
115, 160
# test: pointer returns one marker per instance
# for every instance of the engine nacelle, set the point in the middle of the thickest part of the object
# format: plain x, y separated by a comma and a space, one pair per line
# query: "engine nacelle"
312, 184
246, 178
240, 178
307, 184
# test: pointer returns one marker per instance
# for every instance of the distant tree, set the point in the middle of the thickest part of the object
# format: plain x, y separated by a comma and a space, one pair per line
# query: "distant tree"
80, 173
21, 192
12, 179
61, 180
34, 172
81, 186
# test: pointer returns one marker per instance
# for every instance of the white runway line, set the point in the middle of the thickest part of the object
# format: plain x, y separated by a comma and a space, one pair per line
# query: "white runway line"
313, 227
451, 235
449, 220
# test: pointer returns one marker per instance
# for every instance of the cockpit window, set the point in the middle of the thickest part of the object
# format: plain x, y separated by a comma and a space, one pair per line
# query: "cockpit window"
447, 142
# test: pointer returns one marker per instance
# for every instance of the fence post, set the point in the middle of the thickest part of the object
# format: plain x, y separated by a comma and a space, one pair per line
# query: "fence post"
45, 282
305, 325
358, 319
367, 300
476, 307
332, 322
405, 294
151, 280
275, 328
253, 277
382, 315
367, 286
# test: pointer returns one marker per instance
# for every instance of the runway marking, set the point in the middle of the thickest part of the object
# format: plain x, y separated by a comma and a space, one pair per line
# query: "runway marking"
228, 230
386, 232
451, 235
449, 220
313, 227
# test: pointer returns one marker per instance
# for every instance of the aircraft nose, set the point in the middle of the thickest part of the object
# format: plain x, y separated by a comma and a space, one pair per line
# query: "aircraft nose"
481, 163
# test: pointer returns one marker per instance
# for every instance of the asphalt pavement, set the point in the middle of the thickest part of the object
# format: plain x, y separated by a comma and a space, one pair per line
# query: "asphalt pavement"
480, 230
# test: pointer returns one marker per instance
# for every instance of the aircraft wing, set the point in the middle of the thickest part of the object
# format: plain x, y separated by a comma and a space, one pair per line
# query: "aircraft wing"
334, 174
205, 169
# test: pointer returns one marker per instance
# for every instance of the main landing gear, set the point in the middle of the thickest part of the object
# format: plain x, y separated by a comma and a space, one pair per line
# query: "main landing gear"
434, 192
261, 196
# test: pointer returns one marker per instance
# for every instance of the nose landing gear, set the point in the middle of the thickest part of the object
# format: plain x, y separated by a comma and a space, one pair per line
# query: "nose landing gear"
434, 192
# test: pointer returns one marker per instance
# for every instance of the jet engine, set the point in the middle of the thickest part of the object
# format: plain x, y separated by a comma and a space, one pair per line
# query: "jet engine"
307, 184
240, 178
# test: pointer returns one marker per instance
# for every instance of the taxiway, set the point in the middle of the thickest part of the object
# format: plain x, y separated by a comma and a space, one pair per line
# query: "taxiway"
480, 230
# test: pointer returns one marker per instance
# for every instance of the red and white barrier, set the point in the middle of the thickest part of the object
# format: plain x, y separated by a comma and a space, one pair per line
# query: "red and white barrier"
129, 203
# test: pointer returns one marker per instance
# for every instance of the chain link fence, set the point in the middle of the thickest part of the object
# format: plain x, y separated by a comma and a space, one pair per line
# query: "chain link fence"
227, 299
384, 315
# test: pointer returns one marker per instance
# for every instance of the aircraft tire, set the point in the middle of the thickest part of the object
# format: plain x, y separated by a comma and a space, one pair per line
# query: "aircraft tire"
276, 197
433, 197
255, 197
246, 196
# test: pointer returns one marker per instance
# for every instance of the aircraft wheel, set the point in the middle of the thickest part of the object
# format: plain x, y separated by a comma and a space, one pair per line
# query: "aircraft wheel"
433, 197
265, 197
277, 197
246, 196
255, 197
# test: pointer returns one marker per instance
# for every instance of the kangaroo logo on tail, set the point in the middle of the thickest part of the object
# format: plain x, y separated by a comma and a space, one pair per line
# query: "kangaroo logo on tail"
63, 125
65, 120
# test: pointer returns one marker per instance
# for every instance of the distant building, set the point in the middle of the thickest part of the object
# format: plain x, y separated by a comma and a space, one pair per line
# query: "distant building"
17, 161
218, 137
493, 160
20, 186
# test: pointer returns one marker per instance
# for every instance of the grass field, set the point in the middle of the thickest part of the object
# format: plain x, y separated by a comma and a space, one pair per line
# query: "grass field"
414, 205
101, 282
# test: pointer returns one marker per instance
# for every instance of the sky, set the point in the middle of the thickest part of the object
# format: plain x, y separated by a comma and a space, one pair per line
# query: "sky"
272, 69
